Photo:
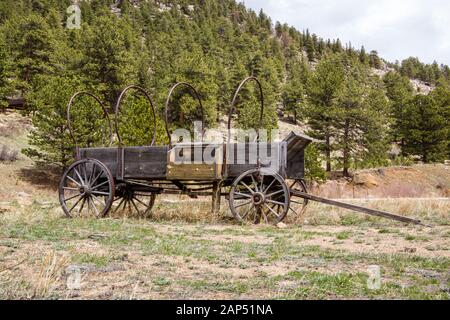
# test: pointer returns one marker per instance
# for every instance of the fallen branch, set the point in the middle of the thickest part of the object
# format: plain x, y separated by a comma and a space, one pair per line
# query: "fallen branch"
13, 266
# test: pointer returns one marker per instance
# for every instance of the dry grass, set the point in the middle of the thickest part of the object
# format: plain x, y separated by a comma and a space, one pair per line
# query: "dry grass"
47, 279
432, 180
430, 211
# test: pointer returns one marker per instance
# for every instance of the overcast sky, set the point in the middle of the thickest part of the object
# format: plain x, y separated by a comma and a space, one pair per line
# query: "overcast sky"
397, 29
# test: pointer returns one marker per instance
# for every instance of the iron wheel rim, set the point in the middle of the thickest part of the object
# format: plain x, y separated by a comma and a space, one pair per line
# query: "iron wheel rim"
259, 194
82, 188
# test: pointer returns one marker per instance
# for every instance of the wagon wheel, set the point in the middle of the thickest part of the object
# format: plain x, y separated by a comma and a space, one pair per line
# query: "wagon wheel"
132, 203
259, 194
298, 205
86, 189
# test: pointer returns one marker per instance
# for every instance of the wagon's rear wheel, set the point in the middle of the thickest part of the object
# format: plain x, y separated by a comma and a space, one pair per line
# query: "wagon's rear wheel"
298, 205
133, 203
259, 194
86, 189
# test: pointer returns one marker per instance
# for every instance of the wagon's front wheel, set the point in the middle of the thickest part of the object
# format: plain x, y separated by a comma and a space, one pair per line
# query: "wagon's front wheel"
86, 189
259, 194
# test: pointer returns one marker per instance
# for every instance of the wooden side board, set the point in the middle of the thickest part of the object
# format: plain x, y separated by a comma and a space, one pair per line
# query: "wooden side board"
241, 157
195, 162
107, 156
145, 162
131, 162
295, 158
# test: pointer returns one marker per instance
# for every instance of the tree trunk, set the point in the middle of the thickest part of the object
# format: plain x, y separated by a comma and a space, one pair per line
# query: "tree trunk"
346, 151
328, 152
424, 152
218, 113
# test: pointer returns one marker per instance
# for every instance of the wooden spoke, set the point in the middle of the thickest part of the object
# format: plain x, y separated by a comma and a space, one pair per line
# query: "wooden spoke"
97, 199
78, 175
120, 203
72, 197
134, 205
76, 203
248, 188
276, 202
70, 189
247, 212
262, 183
85, 170
100, 193
99, 185
243, 194
273, 211
94, 206
141, 202
82, 206
254, 182
74, 181
243, 204
266, 220
274, 193
267, 189
96, 178
94, 169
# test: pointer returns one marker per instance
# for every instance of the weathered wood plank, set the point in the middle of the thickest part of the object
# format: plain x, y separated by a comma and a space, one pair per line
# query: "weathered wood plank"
243, 156
145, 162
184, 164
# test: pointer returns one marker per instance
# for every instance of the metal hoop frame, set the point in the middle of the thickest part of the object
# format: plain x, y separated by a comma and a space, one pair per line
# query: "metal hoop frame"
233, 105
195, 95
105, 115
117, 110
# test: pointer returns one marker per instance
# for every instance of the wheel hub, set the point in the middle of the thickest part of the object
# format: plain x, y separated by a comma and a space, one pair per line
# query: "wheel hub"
85, 190
258, 198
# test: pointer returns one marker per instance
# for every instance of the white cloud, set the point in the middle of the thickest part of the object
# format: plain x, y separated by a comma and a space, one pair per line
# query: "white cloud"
396, 28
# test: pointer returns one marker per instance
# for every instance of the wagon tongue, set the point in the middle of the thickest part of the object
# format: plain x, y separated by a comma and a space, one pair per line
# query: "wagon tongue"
353, 207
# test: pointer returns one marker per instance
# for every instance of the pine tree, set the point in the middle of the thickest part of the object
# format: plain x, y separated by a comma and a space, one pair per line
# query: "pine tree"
109, 64
374, 60
294, 95
360, 115
34, 48
309, 47
5, 75
323, 87
50, 139
426, 128
399, 91
363, 55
